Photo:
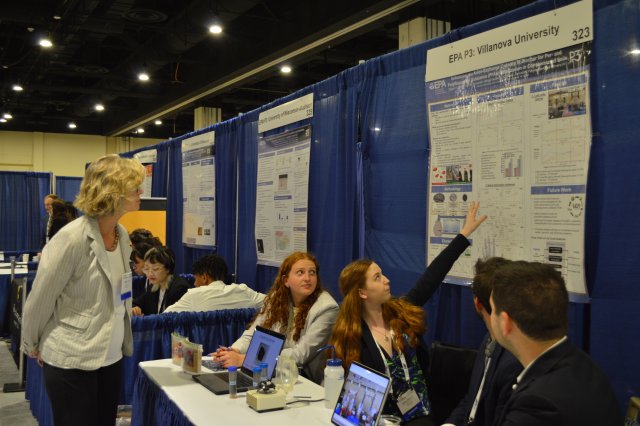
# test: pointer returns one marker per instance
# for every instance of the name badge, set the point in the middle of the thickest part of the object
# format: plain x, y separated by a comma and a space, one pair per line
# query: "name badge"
408, 401
126, 288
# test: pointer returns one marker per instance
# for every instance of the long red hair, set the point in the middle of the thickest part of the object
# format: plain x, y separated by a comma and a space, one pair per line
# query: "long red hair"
276, 304
402, 316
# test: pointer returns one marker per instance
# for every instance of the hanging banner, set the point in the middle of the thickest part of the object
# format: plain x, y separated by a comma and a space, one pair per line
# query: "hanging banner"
147, 158
510, 126
198, 191
281, 196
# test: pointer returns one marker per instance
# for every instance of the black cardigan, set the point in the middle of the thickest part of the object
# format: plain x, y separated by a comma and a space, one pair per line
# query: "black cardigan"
148, 302
419, 295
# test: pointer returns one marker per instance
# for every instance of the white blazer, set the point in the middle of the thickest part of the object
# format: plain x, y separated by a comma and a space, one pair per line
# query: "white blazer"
68, 316
315, 334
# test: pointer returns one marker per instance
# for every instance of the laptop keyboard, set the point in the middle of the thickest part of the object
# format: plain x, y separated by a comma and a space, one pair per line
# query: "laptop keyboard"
242, 381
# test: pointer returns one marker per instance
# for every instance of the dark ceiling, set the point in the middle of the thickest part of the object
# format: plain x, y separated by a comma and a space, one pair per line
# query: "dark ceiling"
101, 45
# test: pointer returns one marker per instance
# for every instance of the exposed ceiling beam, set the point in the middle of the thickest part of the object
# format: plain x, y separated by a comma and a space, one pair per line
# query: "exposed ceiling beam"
265, 65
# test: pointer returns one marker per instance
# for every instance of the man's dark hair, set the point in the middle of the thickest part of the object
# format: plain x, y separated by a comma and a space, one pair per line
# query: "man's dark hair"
142, 246
535, 297
483, 279
212, 265
138, 235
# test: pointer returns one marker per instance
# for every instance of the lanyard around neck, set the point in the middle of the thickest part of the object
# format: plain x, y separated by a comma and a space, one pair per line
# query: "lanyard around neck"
403, 360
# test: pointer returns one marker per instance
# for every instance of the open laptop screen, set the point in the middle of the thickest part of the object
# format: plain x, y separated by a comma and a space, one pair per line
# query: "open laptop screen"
265, 346
362, 397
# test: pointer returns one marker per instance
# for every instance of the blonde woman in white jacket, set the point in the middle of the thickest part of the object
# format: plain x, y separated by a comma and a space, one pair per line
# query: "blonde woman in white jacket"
77, 319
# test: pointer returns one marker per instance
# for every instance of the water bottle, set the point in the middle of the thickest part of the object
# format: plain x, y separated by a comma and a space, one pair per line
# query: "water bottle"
257, 372
264, 372
333, 379
233, 377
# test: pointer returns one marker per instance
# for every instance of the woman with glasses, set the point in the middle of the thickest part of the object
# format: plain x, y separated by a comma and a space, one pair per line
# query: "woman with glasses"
77, 319
166, 288
139, 247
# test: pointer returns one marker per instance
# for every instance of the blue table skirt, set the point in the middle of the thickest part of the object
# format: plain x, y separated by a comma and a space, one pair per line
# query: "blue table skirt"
5, 300
37, 394
152, 340
151, 406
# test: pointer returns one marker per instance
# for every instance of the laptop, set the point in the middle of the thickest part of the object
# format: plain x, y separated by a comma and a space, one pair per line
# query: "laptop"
265, 346
362, 397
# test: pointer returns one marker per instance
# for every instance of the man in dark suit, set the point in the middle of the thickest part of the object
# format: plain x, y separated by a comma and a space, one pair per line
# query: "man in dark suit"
495, 369
560, 385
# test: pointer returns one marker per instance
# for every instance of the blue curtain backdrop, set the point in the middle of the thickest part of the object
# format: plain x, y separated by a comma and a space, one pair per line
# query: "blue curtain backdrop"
22, 214
332, 224
67, 187
226, 140
613, 324
368, 183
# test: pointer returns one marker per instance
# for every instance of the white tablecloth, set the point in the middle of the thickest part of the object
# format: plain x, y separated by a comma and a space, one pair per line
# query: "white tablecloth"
203, 407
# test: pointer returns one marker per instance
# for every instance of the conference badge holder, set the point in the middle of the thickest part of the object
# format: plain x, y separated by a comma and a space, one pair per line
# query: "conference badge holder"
408, 402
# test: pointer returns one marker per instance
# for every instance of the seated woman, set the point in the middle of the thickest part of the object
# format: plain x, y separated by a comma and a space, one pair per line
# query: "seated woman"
138, 249
385, 333
298, 307
166, 288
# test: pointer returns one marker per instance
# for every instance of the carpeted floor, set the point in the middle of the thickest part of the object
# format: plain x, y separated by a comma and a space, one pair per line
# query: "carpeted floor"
14, 409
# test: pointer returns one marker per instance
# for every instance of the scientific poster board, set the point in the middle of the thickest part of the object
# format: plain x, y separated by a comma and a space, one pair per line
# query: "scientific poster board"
282, 195
199, 191
148, 158
151, 216
510, 126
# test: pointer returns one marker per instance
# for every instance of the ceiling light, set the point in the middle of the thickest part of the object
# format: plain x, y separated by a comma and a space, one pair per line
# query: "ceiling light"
17, 88
72, 125
285, 69
143, 76
635, 52
140, 130
7, 116
45, 42
377, 129
57, 17
3, 120
99, 107
215, 29
157, 122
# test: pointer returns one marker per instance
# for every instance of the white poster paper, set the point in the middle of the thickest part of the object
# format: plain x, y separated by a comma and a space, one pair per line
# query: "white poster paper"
287, 113
281, 196
198, 191
515, 136
147, 158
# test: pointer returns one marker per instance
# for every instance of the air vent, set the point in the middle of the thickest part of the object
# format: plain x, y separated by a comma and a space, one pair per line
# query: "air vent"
91, 69
145, 16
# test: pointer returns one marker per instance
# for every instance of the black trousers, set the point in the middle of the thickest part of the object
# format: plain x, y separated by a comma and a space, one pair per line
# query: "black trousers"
83, 397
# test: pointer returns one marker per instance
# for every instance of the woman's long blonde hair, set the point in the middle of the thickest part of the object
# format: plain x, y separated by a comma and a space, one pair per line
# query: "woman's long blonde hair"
402, 316
276, 304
